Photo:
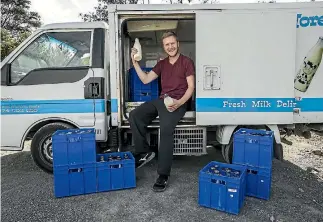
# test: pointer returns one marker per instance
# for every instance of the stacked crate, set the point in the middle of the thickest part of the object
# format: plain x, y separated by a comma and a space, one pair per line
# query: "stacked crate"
222, 186
78, 169
254, 149
139, 91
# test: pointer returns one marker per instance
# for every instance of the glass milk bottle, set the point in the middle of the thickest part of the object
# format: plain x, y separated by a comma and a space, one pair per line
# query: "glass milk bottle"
168, 101
138, 55
309, 66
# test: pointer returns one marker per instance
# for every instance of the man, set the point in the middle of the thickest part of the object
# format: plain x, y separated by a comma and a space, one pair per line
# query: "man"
177, 80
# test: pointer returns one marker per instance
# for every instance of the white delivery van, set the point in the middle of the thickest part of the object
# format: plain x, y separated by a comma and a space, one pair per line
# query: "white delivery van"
257, 66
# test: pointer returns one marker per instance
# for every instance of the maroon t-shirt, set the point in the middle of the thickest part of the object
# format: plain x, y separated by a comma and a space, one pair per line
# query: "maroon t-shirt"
173, 76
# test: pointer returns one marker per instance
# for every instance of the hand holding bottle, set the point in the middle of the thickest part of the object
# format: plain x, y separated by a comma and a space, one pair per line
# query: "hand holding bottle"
136, 54
171, 104
133, 53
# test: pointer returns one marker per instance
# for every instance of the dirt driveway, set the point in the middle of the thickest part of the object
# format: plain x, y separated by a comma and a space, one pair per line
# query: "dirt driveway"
297, 192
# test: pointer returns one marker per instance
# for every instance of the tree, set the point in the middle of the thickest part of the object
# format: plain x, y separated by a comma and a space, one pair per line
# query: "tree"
101, 11
16, 17
17, 22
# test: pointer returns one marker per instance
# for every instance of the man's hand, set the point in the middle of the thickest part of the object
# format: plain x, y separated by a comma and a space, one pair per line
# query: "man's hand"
175, 105
133, 52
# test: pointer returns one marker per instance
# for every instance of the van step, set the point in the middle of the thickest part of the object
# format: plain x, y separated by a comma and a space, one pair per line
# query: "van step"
189, 116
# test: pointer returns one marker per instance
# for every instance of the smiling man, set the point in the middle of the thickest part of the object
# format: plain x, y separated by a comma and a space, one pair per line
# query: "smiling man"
177, 80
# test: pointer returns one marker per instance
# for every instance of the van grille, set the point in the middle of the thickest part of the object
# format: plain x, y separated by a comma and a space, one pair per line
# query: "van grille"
189, 141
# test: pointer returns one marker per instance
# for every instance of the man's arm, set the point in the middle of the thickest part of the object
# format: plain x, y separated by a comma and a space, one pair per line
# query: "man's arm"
144, 77
189, 92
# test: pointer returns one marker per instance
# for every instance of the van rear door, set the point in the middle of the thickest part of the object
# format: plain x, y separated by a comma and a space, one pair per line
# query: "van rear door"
245, 66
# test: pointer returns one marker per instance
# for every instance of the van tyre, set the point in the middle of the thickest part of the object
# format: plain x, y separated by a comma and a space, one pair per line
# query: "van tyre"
278, 151
227, 151
41, 145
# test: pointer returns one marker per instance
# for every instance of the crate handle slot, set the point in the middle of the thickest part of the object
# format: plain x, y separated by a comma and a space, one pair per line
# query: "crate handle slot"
222, 182
252, 172
74, 139
116, 166
251, 141
77, 170
145, 93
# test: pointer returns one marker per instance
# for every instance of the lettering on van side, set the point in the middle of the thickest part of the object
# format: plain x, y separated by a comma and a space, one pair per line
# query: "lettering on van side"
312, 21
259, 104
289, 104
241, 104
19, 108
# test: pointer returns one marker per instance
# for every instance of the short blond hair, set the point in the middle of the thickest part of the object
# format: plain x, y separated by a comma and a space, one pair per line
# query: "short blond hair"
169, 34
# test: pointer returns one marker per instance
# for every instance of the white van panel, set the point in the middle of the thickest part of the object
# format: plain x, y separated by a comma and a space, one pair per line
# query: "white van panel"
252, 56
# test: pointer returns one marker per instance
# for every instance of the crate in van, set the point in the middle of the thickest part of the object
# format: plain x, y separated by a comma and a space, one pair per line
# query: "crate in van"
139, 91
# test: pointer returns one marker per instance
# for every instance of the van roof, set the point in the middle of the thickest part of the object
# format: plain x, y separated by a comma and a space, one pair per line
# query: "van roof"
218, 6
76, 25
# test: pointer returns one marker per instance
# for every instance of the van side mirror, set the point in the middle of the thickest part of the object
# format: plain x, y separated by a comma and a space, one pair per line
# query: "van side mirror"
5, 71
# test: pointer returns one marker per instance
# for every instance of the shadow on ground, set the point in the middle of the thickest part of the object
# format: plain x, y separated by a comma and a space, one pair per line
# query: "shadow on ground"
27, 195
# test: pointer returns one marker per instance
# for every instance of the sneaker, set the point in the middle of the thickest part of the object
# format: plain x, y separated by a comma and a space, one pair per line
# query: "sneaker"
161, 183
142, 159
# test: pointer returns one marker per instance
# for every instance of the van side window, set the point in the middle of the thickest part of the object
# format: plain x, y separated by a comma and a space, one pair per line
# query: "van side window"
53, 49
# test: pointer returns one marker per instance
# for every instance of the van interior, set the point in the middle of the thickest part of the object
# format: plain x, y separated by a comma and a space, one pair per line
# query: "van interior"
149, 33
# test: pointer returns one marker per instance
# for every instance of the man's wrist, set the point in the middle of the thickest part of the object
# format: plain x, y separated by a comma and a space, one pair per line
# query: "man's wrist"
181, 102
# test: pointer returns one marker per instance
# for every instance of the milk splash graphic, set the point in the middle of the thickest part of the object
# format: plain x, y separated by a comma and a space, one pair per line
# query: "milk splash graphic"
309, 66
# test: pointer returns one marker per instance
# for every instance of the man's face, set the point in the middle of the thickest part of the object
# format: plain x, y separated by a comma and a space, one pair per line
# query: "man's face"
170, 46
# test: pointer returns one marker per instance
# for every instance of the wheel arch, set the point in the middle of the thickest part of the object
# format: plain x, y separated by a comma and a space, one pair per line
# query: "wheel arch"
42, 122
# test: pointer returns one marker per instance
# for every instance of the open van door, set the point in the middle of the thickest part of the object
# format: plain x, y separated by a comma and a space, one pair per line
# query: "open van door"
245, 65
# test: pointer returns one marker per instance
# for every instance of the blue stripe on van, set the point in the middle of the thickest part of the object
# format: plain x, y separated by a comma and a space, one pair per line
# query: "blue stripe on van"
16, 107
258, 104
114, 105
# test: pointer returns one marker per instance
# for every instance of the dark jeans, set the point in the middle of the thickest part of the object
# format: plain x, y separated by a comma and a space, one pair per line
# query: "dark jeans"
142, 116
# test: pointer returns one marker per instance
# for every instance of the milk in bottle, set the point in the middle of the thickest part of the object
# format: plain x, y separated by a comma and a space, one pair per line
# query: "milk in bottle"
309, 66
138, 55
168, 101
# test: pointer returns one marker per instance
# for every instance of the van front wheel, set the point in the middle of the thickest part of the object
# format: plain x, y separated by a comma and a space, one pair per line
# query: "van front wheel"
41, 145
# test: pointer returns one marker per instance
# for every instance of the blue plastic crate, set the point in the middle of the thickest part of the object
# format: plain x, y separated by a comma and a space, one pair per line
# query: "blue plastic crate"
74, 180
139, 91
115, 174
74, 147
143, 96
253, 147
222, 191
258, 182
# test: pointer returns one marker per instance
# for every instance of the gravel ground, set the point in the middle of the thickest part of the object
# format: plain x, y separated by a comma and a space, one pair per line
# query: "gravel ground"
296, 195
306, 153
